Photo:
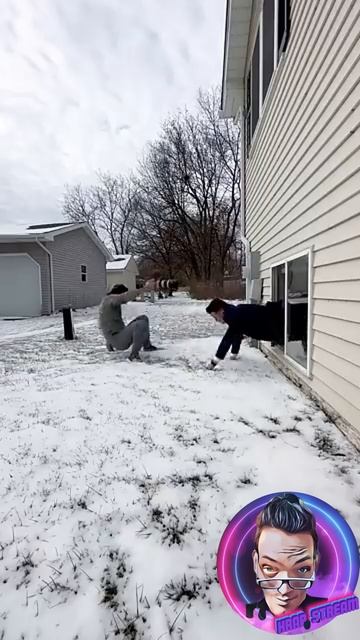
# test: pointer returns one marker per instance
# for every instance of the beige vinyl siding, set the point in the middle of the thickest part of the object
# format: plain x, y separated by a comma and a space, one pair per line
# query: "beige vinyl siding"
303, 185
338, 271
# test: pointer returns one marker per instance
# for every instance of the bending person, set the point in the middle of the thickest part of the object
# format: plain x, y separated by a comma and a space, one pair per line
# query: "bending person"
257, 321
118, 336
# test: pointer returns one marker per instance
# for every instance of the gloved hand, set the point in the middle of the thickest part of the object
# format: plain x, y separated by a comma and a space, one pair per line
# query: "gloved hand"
234, 356
213, 362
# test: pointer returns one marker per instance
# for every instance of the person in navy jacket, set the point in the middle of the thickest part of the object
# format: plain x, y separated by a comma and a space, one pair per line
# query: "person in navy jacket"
257, 321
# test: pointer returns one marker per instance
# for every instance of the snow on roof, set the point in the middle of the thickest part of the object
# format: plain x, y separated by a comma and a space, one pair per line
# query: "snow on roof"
42, 230
13, 230
119, 263
35, 230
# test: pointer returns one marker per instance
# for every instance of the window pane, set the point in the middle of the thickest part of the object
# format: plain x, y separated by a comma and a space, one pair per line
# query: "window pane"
248, 92
268, 43
297, 318
283, 24
278, 292
255, 85
248, 113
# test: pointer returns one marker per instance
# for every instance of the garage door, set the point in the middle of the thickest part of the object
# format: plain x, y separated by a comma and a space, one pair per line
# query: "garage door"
20, 289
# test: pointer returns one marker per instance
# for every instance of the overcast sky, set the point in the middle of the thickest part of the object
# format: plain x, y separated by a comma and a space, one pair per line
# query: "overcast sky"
85, 83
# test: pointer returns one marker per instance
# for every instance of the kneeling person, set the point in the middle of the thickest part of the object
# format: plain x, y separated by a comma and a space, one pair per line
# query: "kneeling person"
118, 336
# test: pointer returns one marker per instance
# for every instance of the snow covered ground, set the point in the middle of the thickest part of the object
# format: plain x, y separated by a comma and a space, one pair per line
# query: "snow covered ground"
117, 479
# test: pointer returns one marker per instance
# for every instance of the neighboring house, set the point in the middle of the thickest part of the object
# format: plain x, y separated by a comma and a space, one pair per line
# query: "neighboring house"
122, 270
44, 268
291, 80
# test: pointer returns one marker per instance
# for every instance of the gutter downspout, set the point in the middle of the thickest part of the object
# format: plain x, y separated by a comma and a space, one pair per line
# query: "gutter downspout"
243, 237
51, 275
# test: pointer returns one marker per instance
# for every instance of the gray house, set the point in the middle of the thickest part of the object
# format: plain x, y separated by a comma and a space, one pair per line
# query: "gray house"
44, 268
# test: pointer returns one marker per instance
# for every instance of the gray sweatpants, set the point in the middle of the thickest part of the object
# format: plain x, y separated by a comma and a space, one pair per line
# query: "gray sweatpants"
135, 334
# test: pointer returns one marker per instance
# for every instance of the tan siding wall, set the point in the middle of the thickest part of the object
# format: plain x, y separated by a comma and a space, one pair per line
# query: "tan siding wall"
303, 185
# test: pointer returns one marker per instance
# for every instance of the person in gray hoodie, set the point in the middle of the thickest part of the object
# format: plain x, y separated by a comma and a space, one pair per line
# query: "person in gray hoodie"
118, 336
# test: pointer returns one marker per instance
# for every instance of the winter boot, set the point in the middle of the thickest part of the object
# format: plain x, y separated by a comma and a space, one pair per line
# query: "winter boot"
150, 347
134, 357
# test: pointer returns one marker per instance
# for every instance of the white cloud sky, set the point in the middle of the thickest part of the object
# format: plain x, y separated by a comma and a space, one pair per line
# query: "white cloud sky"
85, 83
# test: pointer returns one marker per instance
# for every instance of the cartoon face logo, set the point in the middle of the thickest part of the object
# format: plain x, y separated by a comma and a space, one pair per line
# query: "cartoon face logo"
289, 563
285, 556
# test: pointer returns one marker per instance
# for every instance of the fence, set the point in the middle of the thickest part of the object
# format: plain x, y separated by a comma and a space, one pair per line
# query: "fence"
230, 289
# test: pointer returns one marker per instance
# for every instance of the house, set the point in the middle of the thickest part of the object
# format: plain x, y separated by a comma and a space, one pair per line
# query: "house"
44, 268
122, 270
291, 81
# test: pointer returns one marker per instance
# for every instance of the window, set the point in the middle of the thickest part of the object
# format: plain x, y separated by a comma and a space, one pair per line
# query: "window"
290, 287
255, 76
297, 309
271, 41
268, 43
283, 25
83, 273
248, 113
278, 294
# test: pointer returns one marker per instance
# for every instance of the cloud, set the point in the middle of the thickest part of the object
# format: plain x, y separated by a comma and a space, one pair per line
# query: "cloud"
84, 85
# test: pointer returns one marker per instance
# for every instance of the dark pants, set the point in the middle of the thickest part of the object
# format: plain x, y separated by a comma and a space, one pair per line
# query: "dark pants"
235, 347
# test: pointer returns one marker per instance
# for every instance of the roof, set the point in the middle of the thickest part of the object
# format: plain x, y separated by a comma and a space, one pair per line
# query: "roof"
33, 230
53, 225
119, 263
237, 28
47, 233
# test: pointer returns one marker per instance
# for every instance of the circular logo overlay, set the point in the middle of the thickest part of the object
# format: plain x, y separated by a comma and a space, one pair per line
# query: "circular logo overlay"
289, 563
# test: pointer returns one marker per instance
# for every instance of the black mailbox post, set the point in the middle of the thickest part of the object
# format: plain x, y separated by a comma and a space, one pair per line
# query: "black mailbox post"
68, 324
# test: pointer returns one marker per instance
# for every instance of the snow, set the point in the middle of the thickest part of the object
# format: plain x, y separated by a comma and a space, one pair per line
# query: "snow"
13, 230
119, 263
23, 230
118, 479
27, 327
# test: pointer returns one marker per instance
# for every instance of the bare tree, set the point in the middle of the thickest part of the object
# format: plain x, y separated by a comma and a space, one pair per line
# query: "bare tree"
108, 207
181, 210
113, 198
157, 236
79, 206
190, 181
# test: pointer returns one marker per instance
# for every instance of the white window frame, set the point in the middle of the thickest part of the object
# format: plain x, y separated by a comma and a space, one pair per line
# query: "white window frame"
309, 253
277, 63
84, 266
